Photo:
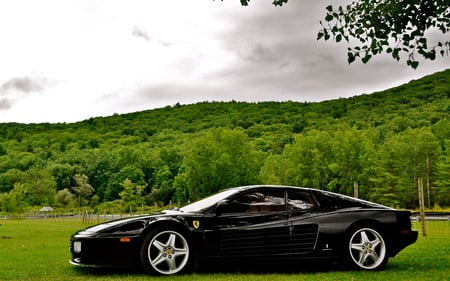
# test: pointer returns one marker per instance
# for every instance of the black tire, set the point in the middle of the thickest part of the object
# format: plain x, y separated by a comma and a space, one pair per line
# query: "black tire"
366, 248
165, 251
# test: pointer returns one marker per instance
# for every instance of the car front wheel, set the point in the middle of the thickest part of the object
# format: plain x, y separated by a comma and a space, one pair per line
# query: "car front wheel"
367, 249
165, 252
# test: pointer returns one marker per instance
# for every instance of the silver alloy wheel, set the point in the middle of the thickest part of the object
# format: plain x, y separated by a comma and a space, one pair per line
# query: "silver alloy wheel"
168, 252
367, 248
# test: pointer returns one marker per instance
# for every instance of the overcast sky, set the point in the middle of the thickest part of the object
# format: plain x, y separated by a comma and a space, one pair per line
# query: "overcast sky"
66, 61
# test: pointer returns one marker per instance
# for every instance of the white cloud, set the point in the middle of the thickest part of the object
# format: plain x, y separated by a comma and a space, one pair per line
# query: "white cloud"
91, 58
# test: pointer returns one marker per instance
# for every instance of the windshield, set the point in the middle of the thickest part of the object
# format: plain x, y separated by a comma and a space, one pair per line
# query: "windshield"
208, 201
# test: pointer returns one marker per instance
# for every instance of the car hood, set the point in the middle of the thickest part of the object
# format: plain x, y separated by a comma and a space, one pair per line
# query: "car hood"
98, 228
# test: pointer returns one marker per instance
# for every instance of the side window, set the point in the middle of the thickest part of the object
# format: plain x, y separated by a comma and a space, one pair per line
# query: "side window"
300, 200
261, 201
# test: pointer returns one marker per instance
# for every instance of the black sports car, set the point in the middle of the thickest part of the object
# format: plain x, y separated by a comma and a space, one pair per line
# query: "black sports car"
257, 223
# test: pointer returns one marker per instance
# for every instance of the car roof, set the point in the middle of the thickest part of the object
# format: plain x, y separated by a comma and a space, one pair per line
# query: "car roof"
248, 187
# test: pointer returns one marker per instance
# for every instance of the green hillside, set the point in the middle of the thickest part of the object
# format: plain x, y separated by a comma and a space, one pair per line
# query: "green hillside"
381, 143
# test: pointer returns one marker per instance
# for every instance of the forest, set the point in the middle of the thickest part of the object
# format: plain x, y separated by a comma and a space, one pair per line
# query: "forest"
379, 144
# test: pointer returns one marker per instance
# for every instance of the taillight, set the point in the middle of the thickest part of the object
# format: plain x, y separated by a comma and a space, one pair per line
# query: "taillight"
405, 231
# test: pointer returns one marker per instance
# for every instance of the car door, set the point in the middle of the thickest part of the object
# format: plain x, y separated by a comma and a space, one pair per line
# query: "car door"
254, 224
302, 207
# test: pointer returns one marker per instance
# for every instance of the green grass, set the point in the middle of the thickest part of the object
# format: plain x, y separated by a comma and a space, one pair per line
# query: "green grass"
39, 250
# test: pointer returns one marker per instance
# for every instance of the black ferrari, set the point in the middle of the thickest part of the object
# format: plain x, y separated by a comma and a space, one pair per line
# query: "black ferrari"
257, 223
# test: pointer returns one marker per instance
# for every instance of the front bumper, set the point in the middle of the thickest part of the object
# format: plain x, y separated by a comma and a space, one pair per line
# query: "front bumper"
104, 252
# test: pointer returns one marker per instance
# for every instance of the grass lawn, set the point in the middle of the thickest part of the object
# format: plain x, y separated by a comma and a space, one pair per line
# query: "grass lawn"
39, 250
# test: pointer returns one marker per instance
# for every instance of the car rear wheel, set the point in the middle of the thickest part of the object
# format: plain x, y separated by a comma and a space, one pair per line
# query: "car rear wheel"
165, 252
367, 249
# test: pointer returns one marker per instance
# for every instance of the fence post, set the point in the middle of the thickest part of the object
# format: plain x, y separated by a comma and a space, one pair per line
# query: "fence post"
355, 189
422, 207
428, 182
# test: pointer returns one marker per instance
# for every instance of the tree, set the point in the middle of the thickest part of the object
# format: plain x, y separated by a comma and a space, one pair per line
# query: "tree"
10, 177
100, 172
63, 174
2, 150
309, 159
40, 186
351, 160
403, 158
83, 188
131, 195
334, 159
274, 170
394, 27
14, 201
163, 189
221, 158
442, 183
64, 198
115, 185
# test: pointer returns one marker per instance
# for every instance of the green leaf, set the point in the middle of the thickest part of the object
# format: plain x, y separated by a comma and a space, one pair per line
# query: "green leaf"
395, 54
329, 17
244, 2
366, 58
347, 19
432, 55
329, 8
338, 38
319, 35
414, 64
279, 2
350, 57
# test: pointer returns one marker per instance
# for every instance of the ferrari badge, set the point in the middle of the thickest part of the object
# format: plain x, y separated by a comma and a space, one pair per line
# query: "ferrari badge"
196, 224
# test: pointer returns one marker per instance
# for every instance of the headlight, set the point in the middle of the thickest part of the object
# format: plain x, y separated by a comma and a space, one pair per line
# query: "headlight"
77, 247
